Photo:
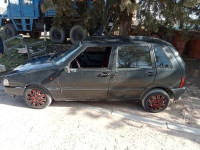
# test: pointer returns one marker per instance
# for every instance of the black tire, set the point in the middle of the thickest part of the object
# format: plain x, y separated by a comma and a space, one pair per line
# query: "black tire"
37, 97
35, 35
9, 30
58, 35
77, 34
155, 100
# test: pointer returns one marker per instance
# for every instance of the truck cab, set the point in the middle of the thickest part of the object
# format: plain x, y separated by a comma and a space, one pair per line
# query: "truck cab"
25, 16
20, 16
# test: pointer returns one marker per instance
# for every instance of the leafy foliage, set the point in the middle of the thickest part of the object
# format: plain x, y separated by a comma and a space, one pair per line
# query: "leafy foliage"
168, 14
154, 15
94, 13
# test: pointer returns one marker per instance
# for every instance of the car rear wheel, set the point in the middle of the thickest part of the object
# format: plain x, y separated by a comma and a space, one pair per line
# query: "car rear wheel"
58, 35
155, 100
37, 97
77, 34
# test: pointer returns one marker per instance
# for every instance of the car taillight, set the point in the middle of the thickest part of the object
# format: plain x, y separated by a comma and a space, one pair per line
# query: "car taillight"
182, 82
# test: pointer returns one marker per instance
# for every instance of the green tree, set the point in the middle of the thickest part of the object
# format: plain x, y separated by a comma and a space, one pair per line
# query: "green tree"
152, 15
163, 16
97, 16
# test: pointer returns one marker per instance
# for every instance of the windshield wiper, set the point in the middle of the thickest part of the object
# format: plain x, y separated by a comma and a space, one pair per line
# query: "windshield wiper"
53, 56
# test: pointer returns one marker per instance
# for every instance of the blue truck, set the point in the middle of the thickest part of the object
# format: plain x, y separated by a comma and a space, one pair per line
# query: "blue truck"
26, 17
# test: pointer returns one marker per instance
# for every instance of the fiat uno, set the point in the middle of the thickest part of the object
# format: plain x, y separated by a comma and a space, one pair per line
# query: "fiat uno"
106, 68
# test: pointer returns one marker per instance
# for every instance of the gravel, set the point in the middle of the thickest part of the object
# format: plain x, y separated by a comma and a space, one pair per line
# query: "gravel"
71, 126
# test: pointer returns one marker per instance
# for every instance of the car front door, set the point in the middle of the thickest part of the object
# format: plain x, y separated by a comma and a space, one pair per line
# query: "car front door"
134, 71
27, 8
86, 83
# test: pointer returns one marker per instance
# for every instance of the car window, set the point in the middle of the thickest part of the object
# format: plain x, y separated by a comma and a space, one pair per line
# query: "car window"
14, 1
92, 57
134, 57
28, 2
161, 59
62, 57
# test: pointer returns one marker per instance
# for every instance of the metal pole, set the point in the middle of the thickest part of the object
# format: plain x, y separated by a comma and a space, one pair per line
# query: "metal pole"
45, 38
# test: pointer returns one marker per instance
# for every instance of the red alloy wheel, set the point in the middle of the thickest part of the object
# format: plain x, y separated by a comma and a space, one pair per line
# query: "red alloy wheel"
36, 98
156, 103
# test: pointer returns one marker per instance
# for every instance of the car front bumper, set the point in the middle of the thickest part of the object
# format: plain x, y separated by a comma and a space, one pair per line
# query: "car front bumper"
14, 90
178, 92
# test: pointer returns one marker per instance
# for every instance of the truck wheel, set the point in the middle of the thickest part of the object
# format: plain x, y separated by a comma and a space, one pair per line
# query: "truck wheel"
77, 34
57, 35
35, 35
9, 30
37, 97
155, 100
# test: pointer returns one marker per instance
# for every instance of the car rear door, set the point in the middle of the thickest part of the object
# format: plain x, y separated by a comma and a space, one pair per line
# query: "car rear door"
134, 70
28, 8
14, 8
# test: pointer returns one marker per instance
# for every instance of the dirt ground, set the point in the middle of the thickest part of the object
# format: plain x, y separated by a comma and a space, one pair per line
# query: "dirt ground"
71, 126
185, 111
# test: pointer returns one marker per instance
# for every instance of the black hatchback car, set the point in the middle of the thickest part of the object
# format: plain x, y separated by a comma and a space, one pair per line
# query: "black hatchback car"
101, 69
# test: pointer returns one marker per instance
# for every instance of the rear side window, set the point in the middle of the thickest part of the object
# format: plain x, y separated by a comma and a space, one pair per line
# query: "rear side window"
161, 59
134, 57
27, 2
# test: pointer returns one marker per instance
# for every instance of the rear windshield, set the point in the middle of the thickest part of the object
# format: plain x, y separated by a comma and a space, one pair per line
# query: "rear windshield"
162, 60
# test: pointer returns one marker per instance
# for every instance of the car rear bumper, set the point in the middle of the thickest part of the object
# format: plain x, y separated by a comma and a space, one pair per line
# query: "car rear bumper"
178, 92
14, 90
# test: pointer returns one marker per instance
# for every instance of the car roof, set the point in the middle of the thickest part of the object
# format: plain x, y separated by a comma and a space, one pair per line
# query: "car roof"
122, 40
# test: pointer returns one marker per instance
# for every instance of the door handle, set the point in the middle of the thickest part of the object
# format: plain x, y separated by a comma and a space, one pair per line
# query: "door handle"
104, 74
112, 76
150, 73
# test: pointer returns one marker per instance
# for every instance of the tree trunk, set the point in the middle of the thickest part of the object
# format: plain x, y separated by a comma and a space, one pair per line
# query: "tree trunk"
125, 26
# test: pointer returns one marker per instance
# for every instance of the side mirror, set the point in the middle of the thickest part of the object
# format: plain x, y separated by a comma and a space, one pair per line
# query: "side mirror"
5, 1
67, 69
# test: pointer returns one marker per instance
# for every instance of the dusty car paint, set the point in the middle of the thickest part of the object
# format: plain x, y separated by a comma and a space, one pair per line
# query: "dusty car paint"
103, 83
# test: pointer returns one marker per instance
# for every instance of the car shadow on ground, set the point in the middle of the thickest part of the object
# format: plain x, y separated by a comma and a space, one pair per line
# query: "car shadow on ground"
179, 112
135, 108
12, 101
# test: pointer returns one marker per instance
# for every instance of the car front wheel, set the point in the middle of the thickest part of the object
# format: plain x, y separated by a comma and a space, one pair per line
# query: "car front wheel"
37, 97
9, 30
155, 100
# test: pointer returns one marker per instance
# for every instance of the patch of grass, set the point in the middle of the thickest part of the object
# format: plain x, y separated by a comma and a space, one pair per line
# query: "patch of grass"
13, 59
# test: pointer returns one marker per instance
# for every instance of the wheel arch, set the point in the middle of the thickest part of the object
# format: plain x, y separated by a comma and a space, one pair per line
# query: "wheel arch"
167, 90
40, 99
5, 21
40, 86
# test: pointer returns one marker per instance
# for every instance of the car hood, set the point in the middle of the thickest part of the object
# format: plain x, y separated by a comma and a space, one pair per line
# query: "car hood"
35, 64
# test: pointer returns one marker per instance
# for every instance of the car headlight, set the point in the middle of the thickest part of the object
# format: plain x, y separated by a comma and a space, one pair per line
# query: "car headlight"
5, 82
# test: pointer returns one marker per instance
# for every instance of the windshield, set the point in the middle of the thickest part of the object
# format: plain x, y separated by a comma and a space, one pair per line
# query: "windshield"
62, 57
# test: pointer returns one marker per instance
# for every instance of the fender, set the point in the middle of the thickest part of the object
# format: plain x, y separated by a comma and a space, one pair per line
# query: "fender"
158, 86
